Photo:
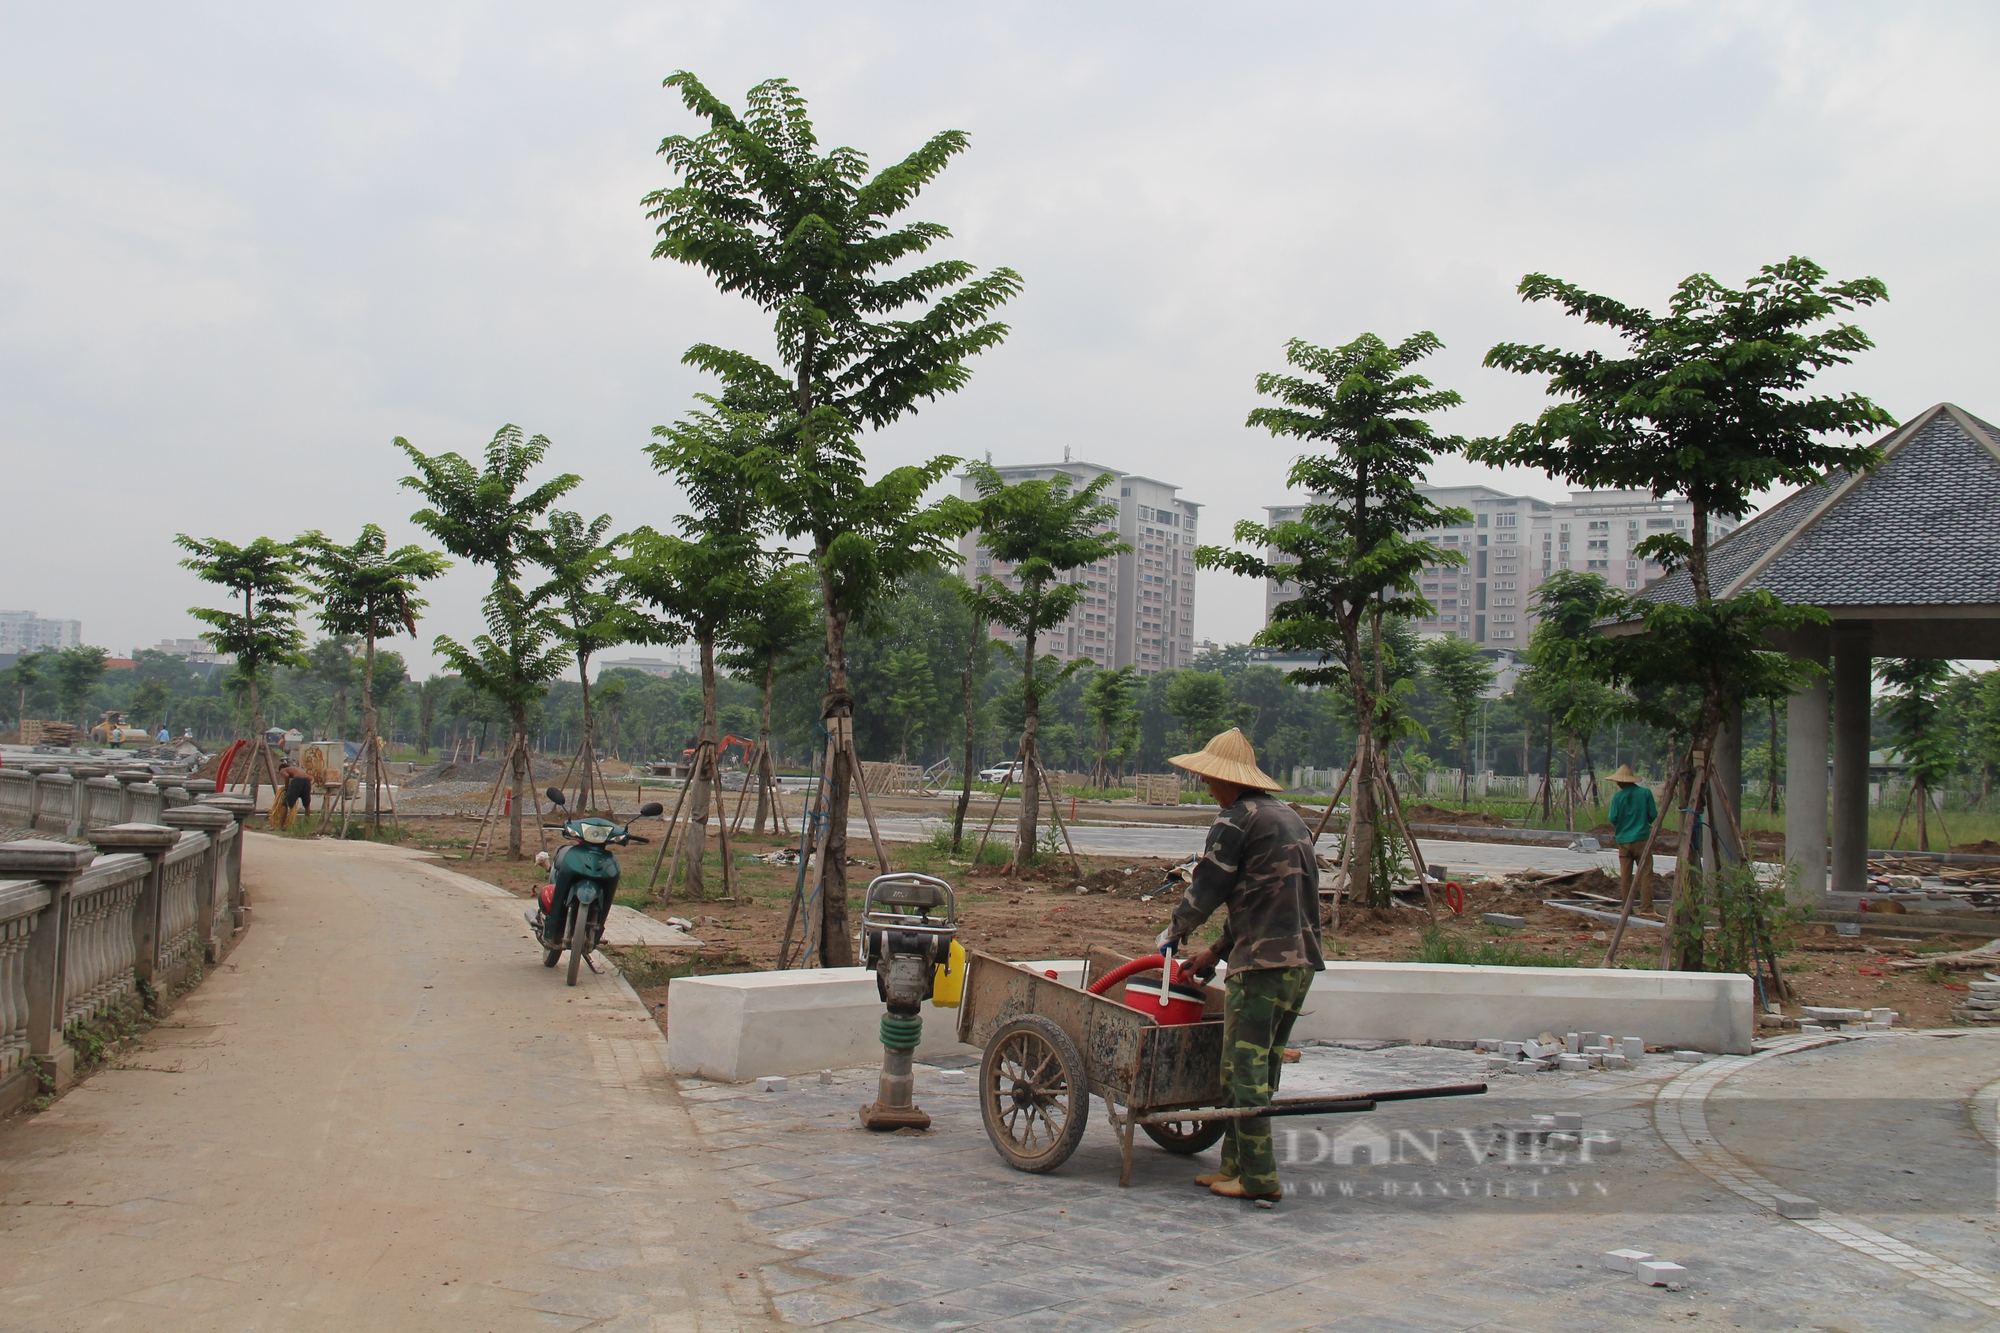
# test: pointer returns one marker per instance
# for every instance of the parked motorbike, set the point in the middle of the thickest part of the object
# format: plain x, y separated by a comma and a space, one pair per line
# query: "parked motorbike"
574, 905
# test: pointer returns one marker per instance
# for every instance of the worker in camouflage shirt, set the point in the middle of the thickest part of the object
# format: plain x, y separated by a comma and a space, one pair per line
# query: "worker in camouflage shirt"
1260, 863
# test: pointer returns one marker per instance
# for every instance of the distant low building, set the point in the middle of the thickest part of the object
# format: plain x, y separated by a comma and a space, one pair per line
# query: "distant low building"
195, 651
652, 666
27, 632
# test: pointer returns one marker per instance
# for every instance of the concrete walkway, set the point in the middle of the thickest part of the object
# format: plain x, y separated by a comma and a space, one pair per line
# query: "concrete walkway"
380, 1113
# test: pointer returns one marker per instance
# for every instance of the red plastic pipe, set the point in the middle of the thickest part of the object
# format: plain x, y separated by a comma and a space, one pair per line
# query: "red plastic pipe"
1150, 963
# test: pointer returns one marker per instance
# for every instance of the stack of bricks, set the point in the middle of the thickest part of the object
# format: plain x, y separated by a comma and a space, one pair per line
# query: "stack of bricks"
1576, 1052
1826, 1018
1982, 1006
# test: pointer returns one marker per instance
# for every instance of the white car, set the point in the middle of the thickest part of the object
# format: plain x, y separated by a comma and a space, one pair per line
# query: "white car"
1004, 773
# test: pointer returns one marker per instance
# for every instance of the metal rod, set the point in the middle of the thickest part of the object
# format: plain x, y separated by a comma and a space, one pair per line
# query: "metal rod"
1359, 1101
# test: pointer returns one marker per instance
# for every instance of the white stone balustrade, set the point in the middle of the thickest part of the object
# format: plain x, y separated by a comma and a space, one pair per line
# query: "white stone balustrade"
100, 961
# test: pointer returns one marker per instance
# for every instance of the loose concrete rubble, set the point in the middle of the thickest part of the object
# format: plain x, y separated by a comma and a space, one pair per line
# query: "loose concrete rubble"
1830, 1018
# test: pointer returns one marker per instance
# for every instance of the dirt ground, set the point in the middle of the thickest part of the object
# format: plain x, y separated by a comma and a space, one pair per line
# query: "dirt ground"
1042, 914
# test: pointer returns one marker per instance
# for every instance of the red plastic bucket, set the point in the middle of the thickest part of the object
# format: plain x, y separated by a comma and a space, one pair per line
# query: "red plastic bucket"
1184, 1004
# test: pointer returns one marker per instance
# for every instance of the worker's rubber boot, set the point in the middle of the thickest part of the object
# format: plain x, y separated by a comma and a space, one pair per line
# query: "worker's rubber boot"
1212, 1178
1233, 1189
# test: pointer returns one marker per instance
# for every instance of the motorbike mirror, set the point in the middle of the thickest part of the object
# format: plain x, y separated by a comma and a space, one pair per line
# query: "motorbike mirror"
555, 795
651, 810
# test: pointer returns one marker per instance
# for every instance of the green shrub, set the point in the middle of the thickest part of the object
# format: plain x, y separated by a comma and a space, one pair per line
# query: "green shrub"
1442, 946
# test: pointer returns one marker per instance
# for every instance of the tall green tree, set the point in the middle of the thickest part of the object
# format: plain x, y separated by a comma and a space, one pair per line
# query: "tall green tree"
1108, 701
363, 590
30, 673
1461, 675
978, 653
263, 577
1919, 730
1201, 700
1037, 531
481, 513
865, 331
1711, 402
77, 671
1353, 553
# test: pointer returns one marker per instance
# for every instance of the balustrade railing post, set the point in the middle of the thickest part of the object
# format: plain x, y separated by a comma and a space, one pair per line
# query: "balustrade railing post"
212, 892
241, 808
79, 801
127, 779
152, 841
57, 865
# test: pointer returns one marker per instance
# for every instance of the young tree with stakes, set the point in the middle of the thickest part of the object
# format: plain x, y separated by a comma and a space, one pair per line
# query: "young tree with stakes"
1351, 553
366, 591
1920, 733
481, 514
701, 582
264, 634
1038, 530
978, 652
768, 638
1460, 674
862, 339
1709, 402
579, 563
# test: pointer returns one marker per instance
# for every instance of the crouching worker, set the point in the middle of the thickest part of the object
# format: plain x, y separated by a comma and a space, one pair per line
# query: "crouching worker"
1259, 863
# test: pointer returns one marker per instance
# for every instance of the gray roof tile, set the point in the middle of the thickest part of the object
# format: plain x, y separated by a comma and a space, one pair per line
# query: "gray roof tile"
1920, 530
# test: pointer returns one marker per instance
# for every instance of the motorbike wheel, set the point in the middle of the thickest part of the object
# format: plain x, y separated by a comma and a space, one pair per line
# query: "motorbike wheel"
550, 957
579, 939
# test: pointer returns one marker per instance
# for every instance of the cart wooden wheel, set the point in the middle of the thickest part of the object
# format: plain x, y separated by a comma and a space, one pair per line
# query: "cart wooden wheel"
1186, 1136
1033, 1094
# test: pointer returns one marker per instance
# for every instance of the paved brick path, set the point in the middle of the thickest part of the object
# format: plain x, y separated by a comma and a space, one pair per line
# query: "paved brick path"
932, 1232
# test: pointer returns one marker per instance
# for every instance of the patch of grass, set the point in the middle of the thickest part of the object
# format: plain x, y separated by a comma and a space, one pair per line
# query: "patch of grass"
1442, 946
644, 968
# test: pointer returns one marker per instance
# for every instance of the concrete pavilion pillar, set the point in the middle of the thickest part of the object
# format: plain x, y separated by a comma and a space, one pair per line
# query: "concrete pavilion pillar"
1806, 750
1728, 788
1853, 666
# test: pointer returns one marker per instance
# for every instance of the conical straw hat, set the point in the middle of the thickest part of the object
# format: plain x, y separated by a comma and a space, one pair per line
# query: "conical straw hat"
1230, 757
1624, 774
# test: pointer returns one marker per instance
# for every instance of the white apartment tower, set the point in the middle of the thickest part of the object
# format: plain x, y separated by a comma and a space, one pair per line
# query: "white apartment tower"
1137, 608
26, 632
1512, 543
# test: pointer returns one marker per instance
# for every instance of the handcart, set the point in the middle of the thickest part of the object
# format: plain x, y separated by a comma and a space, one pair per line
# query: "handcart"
1049, 1046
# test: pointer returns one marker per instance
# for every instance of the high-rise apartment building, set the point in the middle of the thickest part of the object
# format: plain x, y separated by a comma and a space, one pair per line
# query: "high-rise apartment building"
26, 632
1137, 608
1511, 543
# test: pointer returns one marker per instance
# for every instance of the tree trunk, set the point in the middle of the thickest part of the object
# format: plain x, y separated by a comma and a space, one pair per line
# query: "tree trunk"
1923, 816
371, 803
1548, 768
836, 949
704, 773
589, 746
1570, 785
1031, 764
965, 683
766, 776
1359, 845
518, 754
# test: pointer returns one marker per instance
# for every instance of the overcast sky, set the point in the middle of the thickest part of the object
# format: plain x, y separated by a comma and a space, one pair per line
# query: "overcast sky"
242, 247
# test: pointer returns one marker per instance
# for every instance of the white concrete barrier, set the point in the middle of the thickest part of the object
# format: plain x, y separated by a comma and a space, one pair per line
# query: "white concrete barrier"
1700, 1011
743, 1025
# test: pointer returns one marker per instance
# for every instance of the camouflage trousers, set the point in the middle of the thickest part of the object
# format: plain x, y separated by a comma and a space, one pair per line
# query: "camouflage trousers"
1259, 1009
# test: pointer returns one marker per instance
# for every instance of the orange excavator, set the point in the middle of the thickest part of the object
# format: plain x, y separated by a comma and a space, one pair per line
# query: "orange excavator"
722, 747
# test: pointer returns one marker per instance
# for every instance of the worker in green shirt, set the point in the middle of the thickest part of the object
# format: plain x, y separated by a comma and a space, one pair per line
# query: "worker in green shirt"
1633, 814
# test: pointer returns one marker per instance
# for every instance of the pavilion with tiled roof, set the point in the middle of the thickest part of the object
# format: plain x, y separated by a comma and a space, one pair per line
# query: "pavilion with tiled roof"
1906, 559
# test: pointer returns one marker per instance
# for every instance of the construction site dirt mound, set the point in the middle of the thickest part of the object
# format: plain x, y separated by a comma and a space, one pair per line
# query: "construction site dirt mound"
1984, 847
1433, 814
471, 770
